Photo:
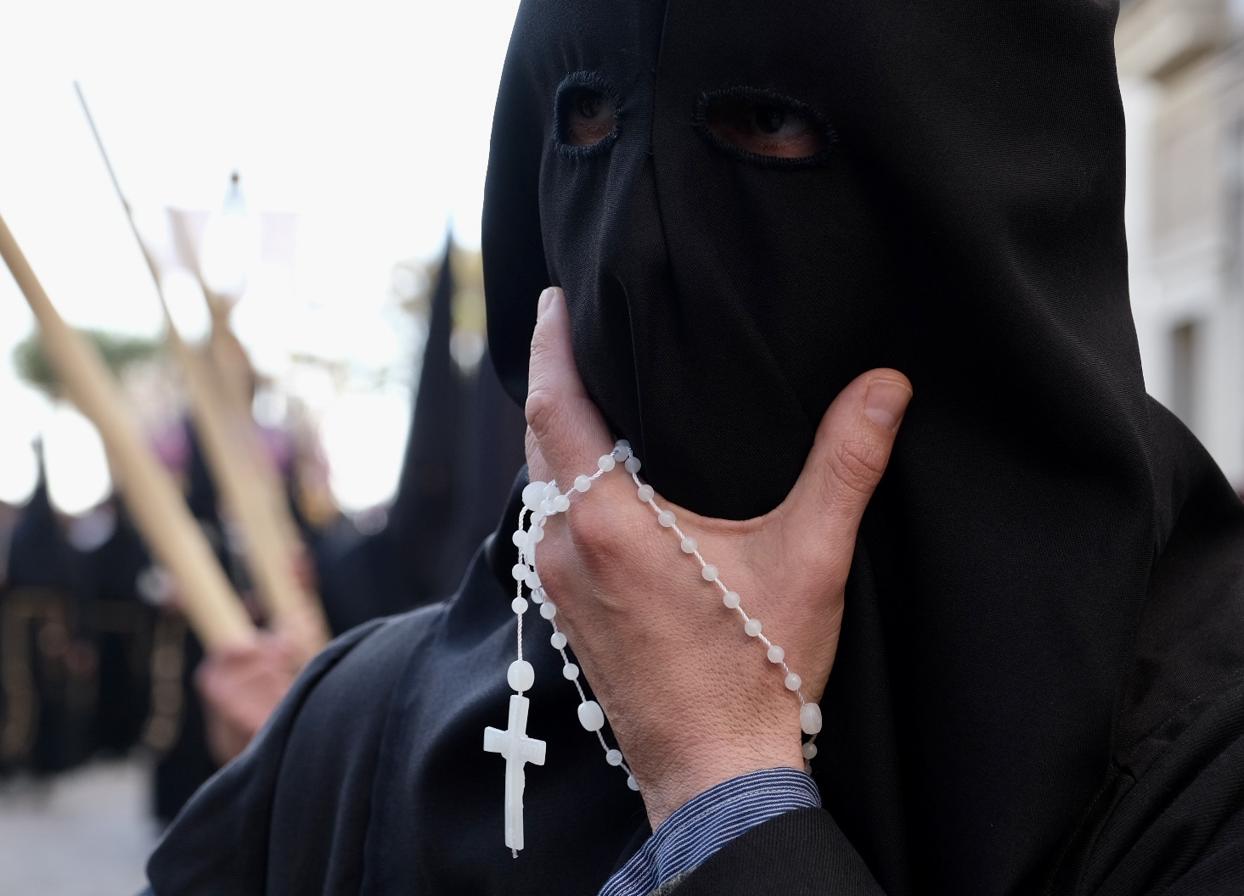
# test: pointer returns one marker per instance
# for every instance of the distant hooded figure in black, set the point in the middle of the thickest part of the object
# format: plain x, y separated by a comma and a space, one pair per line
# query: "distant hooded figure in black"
1040, 685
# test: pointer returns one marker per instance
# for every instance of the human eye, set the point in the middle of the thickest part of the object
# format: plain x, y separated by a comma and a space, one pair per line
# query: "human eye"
762, 125
587, 113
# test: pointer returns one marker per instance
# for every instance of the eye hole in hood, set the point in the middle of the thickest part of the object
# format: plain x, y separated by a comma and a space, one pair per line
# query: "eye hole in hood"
586, 114
764, 127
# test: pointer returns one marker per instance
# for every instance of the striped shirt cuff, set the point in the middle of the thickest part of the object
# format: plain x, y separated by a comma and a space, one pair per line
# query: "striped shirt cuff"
708, 822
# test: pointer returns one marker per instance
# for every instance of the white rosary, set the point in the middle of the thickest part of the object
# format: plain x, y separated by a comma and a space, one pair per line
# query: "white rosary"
544, 500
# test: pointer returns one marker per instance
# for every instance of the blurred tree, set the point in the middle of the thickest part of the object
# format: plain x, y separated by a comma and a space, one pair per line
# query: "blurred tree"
118, 352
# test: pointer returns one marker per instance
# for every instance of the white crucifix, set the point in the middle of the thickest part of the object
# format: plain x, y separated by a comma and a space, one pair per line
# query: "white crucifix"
517, 749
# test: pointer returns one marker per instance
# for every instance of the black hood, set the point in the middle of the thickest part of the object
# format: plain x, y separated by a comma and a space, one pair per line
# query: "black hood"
965, 225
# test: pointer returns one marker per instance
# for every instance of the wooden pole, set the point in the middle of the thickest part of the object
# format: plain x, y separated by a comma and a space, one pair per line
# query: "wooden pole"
159, 511
226, 441
235, 375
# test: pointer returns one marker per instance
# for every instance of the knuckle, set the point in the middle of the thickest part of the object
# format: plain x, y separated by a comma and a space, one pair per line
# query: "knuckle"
542, 409
555, 566
591, 531
826, 572
858, 464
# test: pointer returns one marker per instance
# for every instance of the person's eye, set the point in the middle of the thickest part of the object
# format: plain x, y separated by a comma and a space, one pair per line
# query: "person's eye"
587, 116
766, 126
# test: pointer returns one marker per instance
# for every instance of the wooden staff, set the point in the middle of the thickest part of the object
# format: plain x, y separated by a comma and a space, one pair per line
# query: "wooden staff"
269, 554
152, 497
235, 375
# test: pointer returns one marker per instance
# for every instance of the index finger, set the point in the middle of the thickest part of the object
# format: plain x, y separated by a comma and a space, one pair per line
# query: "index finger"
566, 424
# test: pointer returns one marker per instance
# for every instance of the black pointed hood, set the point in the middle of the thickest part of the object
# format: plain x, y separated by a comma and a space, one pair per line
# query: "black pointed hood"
39, 554
962, 221
428, 491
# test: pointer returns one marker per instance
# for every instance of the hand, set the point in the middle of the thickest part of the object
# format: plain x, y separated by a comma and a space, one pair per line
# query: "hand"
240, 687
692, 699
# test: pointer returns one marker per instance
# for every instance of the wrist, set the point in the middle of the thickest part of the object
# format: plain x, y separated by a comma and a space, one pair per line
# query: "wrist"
677, 778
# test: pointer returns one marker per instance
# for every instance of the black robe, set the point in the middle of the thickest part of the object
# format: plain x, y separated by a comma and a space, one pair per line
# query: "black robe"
1039, 679
47, 727
371, 778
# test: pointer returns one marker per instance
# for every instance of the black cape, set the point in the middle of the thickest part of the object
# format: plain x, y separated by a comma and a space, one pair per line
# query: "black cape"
1040, 682
371, 777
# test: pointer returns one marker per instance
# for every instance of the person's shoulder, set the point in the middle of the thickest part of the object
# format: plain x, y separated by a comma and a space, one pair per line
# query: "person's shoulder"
262, 810
380, 645
356, 672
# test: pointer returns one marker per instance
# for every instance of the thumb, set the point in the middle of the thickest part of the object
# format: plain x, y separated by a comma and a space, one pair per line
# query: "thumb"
851, 451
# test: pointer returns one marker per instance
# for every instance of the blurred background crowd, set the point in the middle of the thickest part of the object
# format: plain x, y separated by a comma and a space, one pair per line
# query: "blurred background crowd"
306, 184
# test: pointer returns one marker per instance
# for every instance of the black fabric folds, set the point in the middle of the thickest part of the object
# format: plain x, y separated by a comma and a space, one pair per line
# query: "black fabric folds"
966, 228
1040, 683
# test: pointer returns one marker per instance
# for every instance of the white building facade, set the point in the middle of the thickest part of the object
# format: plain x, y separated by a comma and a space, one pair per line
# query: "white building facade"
1181, 63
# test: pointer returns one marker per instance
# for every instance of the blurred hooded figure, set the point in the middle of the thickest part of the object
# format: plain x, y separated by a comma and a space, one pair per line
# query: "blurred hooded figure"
1040, 685
48, 669
414, 559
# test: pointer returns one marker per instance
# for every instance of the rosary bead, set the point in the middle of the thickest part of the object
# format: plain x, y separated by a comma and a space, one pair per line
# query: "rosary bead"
810, 718
521, 675
533, 494
591, 716
545, 499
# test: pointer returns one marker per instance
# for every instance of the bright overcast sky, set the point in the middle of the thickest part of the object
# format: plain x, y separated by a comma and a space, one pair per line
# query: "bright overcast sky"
369, 121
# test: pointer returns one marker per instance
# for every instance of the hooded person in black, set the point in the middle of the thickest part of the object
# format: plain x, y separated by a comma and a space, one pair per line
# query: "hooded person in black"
415, 558
1040, 684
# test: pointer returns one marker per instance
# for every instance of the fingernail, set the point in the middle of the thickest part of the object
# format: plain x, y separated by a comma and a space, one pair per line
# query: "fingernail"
885, 402
546, 299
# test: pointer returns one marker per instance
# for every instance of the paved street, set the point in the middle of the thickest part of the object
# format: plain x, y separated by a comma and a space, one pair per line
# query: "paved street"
87, 834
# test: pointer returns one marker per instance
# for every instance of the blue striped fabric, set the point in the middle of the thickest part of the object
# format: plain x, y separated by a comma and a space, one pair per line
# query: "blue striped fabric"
708, 822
